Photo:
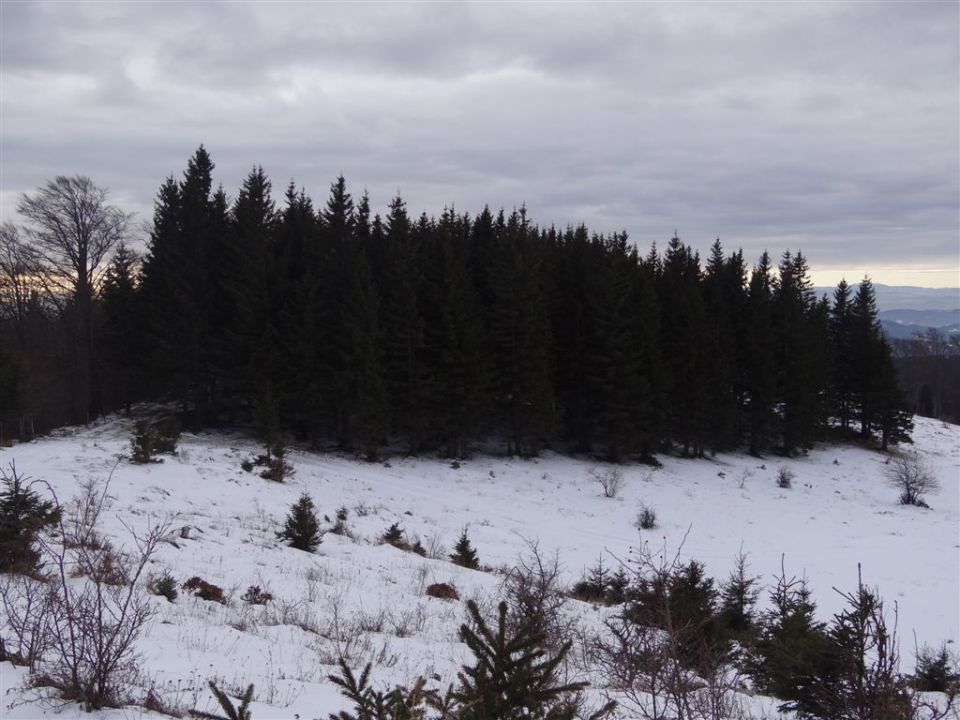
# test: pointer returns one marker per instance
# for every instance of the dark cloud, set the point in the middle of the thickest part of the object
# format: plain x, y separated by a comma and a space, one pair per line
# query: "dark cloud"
828, 126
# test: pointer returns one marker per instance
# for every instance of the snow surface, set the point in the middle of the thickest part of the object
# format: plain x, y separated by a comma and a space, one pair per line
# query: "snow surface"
840, 512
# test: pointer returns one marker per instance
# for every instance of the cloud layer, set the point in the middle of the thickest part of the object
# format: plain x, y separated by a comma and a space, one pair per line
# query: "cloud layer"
827, 126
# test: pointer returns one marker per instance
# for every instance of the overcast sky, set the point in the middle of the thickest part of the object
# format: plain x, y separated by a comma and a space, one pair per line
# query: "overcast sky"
831, 127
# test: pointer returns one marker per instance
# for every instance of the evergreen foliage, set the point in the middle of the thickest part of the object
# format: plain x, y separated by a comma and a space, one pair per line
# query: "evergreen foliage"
302, 528
231, 711
464, 554
793, 650
393, 535
513, 677
436, 334
23, 516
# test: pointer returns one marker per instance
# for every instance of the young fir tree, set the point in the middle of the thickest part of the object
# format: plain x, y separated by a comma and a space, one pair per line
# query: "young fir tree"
864, 680
302, 528
463, 553
513, 677
738, 599
23, 516
793, 651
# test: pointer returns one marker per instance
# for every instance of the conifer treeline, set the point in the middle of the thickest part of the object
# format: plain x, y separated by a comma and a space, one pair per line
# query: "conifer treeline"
437, 333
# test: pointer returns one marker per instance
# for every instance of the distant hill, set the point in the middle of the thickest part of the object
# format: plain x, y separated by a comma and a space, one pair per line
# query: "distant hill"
905, 323
905, 297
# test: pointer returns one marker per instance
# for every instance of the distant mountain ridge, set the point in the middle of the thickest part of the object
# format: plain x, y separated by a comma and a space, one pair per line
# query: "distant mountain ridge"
906, 310
907, 297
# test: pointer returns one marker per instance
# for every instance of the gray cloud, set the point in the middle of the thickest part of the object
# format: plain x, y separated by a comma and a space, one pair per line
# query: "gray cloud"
828, 126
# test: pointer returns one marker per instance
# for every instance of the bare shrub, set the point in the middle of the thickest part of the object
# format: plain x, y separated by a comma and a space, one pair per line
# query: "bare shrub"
254, 595
408, 622
434, 546
646, 518
611, 481
913, 477
785, 478
26, 605
535, 596
90, 627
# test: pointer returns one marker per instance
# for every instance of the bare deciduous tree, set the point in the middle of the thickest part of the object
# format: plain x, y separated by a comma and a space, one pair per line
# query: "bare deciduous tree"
72, 230
18, 279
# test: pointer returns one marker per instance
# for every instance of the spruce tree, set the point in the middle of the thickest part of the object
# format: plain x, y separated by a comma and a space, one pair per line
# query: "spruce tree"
513, 677
760, 376
356, 385
793, 652
802, 339
402, 328
840, 331
23, 516
620, 375
864, 680
250, 368
519, 338
457, 374
682, 328
302, 528
866, 359
463, 553
724, 295
297, 268
123, 330
184, 288
572, 332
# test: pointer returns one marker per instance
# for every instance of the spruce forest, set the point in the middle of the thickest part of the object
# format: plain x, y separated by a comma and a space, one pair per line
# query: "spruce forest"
427, 334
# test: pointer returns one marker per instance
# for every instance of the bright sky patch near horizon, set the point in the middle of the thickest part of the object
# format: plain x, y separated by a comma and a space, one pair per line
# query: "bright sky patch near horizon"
833, 128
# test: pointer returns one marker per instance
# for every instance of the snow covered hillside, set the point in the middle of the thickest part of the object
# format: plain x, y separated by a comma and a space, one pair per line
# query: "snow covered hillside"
841, 511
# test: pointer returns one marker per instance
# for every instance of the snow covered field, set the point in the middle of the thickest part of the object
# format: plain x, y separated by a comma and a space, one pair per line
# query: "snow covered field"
841, 511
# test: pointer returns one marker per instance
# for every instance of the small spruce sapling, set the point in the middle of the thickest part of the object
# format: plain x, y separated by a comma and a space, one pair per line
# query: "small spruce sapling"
230, 711
302, 528
464, 555
165, 586
23, 516
393, 535
593, 586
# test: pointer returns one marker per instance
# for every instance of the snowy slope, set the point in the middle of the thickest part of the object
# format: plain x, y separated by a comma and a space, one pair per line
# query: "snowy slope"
840, 512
